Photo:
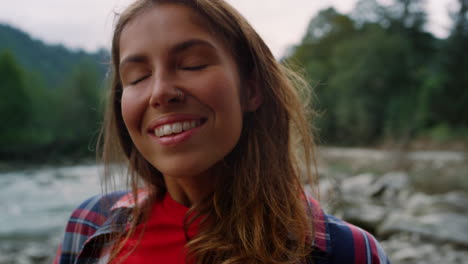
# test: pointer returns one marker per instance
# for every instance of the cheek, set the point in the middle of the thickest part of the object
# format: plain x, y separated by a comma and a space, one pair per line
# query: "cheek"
132, 107
224, 99
221, 93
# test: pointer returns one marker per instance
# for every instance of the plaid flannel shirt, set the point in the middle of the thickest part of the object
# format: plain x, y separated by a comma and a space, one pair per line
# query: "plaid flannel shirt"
88, 230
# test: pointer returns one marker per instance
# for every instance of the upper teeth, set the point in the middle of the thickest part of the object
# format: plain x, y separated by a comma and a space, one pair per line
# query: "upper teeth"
174, 128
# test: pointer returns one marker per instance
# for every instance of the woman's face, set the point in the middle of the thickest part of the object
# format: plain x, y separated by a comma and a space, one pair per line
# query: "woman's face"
167, 49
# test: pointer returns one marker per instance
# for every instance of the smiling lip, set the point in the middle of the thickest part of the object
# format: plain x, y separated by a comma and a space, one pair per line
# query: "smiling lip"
175, 138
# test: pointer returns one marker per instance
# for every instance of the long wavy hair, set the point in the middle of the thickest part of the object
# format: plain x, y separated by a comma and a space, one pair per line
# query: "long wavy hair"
257, 212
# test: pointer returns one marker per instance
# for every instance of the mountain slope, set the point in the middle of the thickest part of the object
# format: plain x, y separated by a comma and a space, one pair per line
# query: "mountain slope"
53, 62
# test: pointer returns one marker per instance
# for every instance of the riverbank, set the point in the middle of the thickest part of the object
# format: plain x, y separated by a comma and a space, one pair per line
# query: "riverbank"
405, 199
35, 205
428, 171
39, 164
415, 203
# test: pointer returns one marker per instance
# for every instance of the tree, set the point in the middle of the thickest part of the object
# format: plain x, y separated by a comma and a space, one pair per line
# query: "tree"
79, 101
369, 12
448, 100
371, 86
407, 14
379, 75
15, 105
314, 53
39, 129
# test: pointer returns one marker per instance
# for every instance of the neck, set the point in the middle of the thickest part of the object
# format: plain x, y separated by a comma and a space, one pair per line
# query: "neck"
189, 191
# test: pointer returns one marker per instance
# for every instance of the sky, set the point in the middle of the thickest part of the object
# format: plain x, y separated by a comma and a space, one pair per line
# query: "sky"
87, 24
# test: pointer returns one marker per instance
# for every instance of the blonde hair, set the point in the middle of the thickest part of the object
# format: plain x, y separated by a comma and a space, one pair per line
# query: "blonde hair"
257, 212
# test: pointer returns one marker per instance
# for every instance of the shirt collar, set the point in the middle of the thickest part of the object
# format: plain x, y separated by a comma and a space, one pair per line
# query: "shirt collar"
128, 201
321, 236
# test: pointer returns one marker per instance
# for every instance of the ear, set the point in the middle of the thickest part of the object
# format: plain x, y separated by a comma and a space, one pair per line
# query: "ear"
254, 97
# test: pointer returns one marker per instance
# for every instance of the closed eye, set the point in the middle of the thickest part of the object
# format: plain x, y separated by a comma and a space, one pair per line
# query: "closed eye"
195, 68
139, 80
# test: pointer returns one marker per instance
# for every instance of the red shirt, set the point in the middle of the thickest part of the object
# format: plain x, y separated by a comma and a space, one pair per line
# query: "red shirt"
163, 240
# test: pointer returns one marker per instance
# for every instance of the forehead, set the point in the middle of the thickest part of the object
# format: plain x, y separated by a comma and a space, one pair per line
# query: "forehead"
165, 25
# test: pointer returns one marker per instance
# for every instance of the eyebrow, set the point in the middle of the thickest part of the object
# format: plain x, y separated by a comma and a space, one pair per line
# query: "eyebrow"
178, 48
133, 59
189, 44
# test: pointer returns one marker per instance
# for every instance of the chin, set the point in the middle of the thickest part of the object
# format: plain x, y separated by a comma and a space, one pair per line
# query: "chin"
183, 170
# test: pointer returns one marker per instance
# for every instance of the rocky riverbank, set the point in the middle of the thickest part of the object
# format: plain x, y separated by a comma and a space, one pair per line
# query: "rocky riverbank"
414, 225
415, 203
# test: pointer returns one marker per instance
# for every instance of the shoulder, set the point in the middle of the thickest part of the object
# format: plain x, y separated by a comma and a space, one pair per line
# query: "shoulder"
342, 242
93, 212
85, 221
351, 244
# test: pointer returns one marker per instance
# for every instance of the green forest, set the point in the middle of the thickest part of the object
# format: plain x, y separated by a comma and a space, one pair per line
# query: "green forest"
52, 99
377, 76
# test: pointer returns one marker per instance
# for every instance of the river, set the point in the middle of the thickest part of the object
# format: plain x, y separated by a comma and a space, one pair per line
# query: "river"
35, 205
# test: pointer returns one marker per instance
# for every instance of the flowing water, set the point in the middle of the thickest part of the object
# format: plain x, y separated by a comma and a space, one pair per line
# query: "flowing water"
35, 206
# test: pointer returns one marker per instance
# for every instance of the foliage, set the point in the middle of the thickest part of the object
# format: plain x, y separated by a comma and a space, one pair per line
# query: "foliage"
449, 99
51, 62
80, 107
51, 98
42, 123
15, 106
378, 75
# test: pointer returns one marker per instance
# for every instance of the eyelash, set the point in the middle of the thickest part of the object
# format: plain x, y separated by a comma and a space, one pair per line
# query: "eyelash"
195, 68
139, 80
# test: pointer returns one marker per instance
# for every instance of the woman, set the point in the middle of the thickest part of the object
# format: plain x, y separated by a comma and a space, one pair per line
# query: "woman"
213, 134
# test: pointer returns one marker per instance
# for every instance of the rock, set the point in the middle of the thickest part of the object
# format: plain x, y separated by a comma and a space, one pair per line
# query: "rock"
357, 185
409, 254
435, 227
389, 185
4, 258
329, 193
412, 249
37, 253
454, 202
28, 252
328, 188
367, 216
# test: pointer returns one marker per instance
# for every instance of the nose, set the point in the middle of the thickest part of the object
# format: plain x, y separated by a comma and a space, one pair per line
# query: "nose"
165, 92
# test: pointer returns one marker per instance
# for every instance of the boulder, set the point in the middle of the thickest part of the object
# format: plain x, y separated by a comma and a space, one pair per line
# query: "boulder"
357, 186
435, 227
413, 249
367, 216
453, 202
390, 185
